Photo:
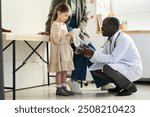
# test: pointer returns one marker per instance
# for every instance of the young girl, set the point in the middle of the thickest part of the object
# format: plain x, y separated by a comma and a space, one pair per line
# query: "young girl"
61, 53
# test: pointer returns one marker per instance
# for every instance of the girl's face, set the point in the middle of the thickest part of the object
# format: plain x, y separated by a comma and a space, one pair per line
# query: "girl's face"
62, 17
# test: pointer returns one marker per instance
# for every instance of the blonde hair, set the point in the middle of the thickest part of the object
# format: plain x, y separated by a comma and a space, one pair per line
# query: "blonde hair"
62, 7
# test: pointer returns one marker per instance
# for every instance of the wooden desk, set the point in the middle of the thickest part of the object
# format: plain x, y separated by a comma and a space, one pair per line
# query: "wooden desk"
27, 37
24, 37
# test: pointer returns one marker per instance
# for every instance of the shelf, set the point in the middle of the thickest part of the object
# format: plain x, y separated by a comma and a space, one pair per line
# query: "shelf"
130, 31
136, 31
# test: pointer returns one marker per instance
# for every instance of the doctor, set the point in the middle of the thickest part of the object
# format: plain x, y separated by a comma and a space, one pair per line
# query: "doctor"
119, 62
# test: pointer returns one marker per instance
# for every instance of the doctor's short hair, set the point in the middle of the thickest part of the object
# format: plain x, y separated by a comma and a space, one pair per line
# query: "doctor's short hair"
114, 22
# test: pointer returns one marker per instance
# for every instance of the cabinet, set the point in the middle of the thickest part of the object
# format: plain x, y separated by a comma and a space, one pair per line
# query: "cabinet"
142, 41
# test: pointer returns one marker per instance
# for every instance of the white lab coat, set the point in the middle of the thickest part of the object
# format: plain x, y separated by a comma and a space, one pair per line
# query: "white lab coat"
124, 58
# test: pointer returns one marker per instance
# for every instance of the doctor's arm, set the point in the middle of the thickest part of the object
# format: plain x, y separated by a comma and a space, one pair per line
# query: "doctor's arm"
100, 57
116, 55
58, 36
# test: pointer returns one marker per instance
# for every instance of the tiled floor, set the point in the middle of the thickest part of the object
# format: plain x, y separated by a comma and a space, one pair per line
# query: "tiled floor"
89, 92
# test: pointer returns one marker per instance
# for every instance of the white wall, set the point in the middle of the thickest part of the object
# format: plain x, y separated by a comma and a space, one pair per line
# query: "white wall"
25, 16
136, 12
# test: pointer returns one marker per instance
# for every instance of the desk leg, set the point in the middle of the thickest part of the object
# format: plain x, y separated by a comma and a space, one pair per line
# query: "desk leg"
14, 72
47, 48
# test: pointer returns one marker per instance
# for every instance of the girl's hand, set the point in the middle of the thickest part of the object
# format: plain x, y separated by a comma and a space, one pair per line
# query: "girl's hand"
43, 33
70, 34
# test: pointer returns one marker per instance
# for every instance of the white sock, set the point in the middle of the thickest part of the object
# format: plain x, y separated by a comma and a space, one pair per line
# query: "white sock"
64, 85
58, 86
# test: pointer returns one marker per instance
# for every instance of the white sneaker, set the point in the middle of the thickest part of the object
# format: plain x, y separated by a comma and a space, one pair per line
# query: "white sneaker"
108, 86
74, 86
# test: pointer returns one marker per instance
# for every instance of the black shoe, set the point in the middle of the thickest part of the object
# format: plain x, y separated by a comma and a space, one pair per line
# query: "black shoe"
114, 90
129, 91
61, 92
66, 90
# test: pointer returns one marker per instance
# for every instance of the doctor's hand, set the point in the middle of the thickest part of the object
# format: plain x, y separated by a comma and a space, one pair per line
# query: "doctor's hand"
86, 51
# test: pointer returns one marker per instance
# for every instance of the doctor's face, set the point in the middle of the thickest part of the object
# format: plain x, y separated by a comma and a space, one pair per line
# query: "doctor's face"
107, 28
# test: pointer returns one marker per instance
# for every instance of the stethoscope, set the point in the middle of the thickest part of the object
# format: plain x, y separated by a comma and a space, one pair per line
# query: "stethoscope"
111, 42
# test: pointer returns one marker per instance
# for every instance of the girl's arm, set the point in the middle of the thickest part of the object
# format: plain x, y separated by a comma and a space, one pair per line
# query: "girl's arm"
57, 35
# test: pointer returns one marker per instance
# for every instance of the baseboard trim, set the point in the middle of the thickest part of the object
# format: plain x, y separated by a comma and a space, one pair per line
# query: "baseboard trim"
143, 80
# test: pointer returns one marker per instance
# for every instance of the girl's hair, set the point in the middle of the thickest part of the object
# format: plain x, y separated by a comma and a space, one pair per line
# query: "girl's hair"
62, 7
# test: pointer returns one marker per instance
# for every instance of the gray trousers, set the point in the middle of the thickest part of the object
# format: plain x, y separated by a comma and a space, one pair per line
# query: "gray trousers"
112, 76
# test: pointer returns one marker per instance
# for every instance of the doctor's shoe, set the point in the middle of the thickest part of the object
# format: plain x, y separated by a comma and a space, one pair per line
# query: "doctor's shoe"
61, 92
74, 86
106, 87
129, 91
114, 90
